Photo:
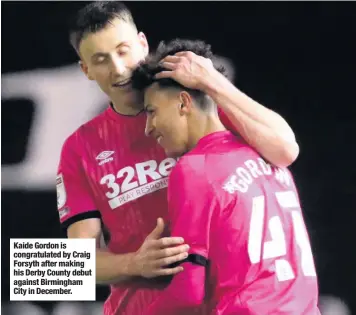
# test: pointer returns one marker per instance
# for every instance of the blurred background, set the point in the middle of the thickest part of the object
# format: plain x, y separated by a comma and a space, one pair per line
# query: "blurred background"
297, 58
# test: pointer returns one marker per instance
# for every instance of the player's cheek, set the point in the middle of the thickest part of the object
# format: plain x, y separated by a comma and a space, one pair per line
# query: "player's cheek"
134, 59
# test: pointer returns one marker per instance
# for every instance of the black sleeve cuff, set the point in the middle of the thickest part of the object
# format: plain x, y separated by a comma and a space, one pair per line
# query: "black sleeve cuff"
194, 259
80, 217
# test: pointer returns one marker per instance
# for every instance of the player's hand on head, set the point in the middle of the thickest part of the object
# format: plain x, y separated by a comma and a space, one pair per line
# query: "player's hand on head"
158, 252
188, 69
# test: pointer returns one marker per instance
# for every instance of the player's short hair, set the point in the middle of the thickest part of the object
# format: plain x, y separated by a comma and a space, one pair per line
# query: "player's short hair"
96, 16
143, 76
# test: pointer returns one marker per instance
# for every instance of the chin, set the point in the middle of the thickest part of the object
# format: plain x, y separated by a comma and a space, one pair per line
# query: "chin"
174, 153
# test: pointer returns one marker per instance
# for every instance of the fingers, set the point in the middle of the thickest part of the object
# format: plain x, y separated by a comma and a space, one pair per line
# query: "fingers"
171, 260
171, 59
160, 224
164, 74
177, 58
168, 242
169, 271
183, 53
172, 251
169, 65
158, 230
155, 254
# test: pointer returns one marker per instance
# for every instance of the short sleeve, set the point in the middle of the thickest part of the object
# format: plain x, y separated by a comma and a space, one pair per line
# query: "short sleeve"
74, 198
192, 204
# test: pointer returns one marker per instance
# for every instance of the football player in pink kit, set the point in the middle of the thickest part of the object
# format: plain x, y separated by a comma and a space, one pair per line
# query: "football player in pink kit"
249, 248
111, 173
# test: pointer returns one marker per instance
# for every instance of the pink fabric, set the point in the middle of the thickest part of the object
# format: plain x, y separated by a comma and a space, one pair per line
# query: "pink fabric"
244, 216
127, 184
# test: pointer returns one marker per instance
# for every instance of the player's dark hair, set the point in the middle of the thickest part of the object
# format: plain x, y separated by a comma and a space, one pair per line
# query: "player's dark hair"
96, 16
143, 76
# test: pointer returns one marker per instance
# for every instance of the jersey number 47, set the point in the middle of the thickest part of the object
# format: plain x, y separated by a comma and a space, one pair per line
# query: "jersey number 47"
276, 248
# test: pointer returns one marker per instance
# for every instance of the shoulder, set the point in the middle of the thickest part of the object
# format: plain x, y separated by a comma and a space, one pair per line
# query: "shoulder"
93, 123
74, 140
189, 166
188, 178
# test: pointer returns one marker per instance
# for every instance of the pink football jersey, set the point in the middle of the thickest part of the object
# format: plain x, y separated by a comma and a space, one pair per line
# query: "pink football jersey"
110, 170
244, 217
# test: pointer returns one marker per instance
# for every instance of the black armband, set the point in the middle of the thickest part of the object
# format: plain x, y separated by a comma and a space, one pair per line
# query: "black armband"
194, 259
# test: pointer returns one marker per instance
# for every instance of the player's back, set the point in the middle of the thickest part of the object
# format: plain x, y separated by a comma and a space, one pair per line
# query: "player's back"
260, 257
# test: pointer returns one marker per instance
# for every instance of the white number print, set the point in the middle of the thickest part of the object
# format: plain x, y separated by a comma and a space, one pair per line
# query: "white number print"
127, 184
135, 182
277, 248
109, 180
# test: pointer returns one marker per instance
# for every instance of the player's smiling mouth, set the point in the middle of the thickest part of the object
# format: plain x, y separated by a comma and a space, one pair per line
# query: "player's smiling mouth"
122, 83
159, 139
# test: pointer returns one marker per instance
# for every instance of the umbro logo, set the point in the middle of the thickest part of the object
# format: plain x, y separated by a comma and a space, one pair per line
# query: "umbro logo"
105, 157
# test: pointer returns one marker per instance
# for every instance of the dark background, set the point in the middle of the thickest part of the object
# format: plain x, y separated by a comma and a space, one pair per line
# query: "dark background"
296, 58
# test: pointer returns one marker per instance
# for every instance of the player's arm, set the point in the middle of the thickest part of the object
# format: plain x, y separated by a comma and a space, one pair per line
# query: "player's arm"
110, 268
261, 127
79, 215
191, 207
149, 261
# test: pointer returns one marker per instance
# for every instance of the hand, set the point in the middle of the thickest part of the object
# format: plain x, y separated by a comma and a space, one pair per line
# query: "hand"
156, 253
188, 69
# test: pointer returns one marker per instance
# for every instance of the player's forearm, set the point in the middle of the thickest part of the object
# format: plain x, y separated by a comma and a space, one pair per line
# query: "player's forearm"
267, 142
113, 268
262, 128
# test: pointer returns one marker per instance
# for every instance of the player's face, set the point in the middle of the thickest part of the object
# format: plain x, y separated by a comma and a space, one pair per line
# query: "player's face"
110, 55
166, 119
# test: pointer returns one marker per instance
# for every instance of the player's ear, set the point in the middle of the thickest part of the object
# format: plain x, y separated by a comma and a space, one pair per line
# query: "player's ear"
85, 69
186, 103
143, 41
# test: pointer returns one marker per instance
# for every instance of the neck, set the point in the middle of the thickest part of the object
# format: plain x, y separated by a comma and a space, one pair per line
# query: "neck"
204, 125
130, 104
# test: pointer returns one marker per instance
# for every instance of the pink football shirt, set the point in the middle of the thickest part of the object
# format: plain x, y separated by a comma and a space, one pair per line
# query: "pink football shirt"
110, 170
244, 217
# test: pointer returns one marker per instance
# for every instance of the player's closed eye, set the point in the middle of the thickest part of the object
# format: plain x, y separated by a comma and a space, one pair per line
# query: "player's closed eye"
123, 51
149, 112
100, 60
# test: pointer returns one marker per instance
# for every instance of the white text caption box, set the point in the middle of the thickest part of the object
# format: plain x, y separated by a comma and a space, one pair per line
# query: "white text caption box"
52, 270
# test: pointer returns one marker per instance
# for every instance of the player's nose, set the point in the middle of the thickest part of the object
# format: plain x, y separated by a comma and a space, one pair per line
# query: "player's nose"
149, 127
117, 66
